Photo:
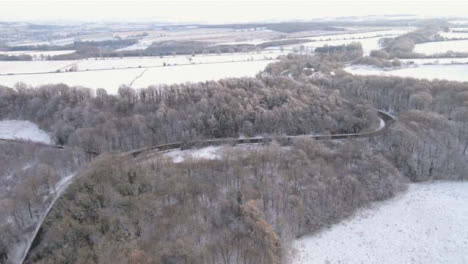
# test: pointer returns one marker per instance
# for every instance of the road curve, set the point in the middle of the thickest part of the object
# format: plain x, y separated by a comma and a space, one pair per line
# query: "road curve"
387, 118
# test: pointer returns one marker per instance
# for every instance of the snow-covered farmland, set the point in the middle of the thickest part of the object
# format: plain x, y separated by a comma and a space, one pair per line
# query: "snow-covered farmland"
368, 44
369, 40
25, 130
459, 22
440, 61
65, 41
361, 35
120, 63
427, 224
454, 35
430, 72
430, 48
199, 72
111, 80
7, 67
213, 35
37, 54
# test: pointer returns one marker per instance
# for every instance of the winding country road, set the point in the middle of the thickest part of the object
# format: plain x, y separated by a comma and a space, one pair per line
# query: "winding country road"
385, 117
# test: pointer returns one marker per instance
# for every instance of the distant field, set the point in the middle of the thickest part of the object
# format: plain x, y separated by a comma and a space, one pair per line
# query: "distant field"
110, 73
429, 72
430, 48
36, 54
111, 80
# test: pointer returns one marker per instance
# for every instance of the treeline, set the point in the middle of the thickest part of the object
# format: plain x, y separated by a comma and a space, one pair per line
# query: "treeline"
244, 208
378, 62
88, 49
325, 60
292, 27
164, 48
352, 47
379, 58
276, 43
22, 57
83, 49
36, 48
402, 46
269, 105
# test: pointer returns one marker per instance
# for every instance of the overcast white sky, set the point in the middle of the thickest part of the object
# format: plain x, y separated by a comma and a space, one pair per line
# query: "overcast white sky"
219, 11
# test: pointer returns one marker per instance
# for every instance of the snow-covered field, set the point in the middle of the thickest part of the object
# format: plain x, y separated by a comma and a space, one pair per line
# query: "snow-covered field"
459, 22
430, 48
368, 44
435, 61
368, 40
430, 72
111, 80
25, 130
36, 54
362, 35
108, 63
454, 35
7, 67
427, 224
199, 72
208, 153
65, 41
211, 35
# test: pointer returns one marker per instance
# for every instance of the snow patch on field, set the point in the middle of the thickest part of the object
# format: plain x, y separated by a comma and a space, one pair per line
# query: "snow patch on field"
18, 129
427, 224
429, 72
430, 48
208, 153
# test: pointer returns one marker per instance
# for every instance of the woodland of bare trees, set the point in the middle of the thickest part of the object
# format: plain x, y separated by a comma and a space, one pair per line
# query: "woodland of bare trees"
243, 208
15, 57
247, 206
273, 105
430, 139
29, 175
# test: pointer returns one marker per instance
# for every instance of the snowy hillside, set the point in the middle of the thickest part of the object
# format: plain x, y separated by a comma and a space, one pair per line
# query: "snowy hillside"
427, 224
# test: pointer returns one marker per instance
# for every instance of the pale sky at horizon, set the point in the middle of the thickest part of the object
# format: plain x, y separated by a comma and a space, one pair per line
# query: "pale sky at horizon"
221, 11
